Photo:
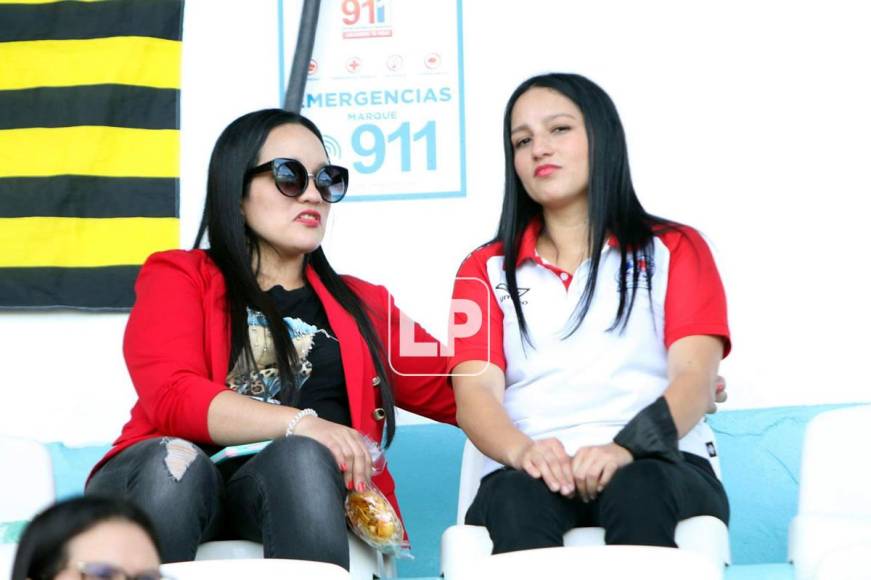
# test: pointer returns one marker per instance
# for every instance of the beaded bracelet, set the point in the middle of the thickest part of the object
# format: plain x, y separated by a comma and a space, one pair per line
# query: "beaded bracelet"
297, 418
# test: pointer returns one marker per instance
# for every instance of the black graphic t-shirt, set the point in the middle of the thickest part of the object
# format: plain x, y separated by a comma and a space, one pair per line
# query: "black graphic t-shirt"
320, 375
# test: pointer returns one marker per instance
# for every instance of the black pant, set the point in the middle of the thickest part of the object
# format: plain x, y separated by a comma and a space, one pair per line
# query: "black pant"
641, 505
290, 497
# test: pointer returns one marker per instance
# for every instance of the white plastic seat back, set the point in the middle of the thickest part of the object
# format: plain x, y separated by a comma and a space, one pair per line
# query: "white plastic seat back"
230, 550
846, 564
595, 562
276, 569
26, 487
27, 484
834, 495
470, 479
7, 559
835, 471
366, 563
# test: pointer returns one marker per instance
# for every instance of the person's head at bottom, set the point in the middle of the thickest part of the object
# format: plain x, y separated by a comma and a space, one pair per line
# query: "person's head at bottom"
88, 538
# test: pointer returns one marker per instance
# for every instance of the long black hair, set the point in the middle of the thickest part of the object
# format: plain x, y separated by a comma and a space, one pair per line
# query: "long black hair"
233, 247
42, 552
613, 206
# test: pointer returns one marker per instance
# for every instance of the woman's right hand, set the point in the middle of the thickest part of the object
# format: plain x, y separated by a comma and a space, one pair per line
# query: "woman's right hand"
546, 459
346, 445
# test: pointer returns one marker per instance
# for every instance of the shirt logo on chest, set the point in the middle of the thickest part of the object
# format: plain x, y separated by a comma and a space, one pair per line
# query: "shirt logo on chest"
645, 269
503, 288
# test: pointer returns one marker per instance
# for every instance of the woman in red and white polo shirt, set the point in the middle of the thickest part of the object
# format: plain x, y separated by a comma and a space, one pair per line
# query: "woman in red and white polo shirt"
604, 326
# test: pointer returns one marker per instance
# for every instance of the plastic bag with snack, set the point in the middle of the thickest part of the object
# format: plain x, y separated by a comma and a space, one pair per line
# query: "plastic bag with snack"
371, 517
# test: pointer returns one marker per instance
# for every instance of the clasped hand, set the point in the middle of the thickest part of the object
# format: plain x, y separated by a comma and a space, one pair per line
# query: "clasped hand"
586, 474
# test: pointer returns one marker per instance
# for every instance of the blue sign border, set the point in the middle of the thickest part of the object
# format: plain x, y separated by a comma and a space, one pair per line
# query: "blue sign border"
282, 86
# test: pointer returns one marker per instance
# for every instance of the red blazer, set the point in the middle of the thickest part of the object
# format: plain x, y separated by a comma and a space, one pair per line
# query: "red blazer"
177, 348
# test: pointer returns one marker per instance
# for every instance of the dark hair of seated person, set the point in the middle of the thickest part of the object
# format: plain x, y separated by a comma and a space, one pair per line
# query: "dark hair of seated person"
43, 548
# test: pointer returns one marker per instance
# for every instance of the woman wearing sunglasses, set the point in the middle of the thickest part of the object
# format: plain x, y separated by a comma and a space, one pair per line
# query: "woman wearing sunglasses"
88, 538
608, 328
258, 339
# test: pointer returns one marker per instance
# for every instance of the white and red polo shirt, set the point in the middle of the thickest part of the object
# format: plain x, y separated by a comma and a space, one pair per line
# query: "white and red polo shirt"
584, 387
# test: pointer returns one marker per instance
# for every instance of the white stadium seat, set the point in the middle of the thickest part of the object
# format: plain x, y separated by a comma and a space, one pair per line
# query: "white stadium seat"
833, 524
274, 569
594, 562
26, 487
366, 563
462, 545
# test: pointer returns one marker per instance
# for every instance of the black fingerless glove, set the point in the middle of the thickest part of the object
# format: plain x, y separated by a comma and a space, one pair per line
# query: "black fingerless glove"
651, 433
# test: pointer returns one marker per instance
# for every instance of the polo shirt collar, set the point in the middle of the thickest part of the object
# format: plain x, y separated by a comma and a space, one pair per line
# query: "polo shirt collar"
528, 240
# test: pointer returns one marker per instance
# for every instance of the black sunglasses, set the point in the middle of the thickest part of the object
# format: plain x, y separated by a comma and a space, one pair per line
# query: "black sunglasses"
291, 178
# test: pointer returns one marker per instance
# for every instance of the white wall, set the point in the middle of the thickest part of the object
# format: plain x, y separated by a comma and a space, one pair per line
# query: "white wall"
748, 120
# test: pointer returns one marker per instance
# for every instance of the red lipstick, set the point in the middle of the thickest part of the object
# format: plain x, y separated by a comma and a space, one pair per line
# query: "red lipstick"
308, 218
545, 170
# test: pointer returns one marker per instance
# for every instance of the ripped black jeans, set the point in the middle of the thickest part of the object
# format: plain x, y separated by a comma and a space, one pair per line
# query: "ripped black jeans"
290, 497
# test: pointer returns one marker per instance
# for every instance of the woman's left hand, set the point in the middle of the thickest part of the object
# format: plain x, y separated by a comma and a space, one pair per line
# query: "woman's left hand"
593, 467
720, 394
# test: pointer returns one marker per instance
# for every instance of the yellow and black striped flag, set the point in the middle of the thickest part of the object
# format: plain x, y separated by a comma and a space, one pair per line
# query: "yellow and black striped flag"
89, 147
